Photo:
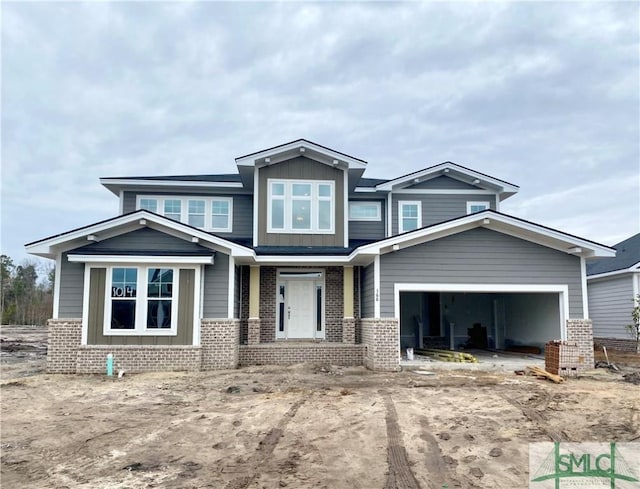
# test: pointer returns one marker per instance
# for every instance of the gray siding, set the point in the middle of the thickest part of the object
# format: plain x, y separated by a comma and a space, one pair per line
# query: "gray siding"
303, 169
480, 256
242, 226
147, 239
610, 305
438, 207
71, 288
368, 298
369, 229
216, 288
443, 182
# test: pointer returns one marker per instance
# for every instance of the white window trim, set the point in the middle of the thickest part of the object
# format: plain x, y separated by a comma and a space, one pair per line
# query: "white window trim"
486, 204
376, 203
288, 199
141, 328
401, 204
184, 209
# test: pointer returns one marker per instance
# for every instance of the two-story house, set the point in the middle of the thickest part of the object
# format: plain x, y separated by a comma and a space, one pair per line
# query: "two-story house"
299, 257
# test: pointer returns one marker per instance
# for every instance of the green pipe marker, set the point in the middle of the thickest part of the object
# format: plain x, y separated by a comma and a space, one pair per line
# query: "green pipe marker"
110, 364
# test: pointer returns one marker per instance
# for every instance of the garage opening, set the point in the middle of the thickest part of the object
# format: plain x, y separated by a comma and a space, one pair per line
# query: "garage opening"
490, 320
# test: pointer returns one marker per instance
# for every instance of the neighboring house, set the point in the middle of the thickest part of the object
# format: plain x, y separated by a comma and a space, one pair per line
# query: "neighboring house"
298, 257
613, 283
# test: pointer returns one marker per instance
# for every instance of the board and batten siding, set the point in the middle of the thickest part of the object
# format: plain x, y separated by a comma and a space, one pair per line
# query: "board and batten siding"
301, 168
147, 239
480, 256
367, 292
443, 183
216, 288
71, 289
242, 225
610, 305
438, 207
97, 300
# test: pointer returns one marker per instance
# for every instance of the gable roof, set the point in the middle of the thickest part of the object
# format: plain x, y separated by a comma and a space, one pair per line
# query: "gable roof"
496, 221
452, 170
126, 223
296, 145
627, 258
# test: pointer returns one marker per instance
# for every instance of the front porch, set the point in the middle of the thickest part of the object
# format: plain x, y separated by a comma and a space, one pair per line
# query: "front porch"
291, 352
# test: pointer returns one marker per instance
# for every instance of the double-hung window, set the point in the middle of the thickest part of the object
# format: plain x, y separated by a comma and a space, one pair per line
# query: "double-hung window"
141, 300
409, 215
208, 213
298, 206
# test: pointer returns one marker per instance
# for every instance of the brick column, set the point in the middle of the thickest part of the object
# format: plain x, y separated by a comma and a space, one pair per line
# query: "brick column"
349, 330
253, 331
220, 341
64, 341
581, 331
380, 336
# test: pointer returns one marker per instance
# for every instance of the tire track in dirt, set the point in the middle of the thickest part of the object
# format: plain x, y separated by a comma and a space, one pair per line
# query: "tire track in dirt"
536, 417
400, 474
265, 449
434, 462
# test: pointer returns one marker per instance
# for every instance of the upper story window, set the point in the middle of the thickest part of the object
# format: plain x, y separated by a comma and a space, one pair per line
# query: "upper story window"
473, 207
208, 213
409, 215
299, 206
365, 211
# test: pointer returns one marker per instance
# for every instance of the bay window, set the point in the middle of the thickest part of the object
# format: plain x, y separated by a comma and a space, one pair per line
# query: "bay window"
297, 206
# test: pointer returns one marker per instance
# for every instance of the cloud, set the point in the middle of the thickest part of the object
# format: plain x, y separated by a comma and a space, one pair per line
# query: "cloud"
541, 94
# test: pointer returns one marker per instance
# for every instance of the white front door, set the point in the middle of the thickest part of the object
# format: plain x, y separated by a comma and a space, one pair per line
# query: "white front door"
300, 308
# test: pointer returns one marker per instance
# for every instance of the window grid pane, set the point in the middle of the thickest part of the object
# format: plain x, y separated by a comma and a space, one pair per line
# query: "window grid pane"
149, 205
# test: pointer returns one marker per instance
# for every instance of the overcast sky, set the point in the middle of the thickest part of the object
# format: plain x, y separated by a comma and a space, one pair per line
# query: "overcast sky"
543, 95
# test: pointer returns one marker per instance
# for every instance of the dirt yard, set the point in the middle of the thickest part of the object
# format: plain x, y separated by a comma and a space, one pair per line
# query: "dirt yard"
306, 426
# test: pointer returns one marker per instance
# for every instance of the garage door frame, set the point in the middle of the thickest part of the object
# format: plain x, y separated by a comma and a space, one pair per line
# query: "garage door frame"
561, 290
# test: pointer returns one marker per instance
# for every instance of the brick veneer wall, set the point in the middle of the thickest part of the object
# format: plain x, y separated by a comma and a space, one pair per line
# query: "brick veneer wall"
92, 359
219, 339
244, 303
267, 304
616, 344
356, 303
380, 337
64, 340
581, 331
298, 352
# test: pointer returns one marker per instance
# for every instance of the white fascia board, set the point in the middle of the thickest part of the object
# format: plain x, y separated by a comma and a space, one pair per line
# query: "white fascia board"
306, 259
368, 190
250, 160
181, 260
475, 220
442, 191
46, 247
168, 183
447, 287
435, 171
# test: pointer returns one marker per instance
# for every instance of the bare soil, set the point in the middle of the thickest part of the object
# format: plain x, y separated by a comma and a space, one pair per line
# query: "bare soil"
305, 426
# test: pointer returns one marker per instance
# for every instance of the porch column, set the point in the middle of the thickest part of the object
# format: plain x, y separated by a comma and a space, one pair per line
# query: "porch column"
348, 321
253, 324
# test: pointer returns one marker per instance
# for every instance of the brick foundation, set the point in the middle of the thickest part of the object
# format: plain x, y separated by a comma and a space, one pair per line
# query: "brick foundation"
615, 344
64, 340
349, 330
581, 331
91, 359
219, 339
282, 353
380, 337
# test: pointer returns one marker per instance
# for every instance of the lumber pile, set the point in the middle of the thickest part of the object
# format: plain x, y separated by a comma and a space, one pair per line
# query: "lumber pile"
447, 355
540, 372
